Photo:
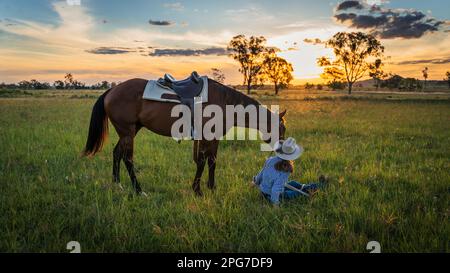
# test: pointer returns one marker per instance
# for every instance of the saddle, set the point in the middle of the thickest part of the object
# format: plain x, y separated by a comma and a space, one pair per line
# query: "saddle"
185, 89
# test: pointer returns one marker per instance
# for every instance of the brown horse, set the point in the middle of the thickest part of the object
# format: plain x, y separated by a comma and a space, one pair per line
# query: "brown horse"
129, 112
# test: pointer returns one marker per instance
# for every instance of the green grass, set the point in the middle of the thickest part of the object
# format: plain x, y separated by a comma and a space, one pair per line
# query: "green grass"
10, 93
389, 162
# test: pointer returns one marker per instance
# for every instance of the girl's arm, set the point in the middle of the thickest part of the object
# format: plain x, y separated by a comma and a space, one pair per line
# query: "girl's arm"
278, 188
258, 178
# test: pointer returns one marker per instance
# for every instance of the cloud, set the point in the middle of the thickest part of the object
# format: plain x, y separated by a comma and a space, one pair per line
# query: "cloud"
348, 5
164, 39
386, 23
110, 50
376, 2
255, 14
174, 6
188, 52
426, 61
158, 52
160, 23
72, 29
299, 25
11, 22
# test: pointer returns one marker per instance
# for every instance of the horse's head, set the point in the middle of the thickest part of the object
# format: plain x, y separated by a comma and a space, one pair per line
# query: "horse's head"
282, 124
281, 127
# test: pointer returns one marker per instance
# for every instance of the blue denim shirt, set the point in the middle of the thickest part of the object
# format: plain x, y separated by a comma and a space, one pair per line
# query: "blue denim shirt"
271, 181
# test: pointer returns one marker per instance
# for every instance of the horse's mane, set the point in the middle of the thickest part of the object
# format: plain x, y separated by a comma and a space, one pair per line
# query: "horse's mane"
234, 97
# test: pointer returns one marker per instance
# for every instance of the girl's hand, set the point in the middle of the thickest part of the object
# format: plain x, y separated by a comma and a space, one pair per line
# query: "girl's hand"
253, 183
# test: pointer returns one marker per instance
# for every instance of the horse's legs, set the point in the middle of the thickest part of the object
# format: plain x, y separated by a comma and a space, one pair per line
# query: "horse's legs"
200, 160
127, 146
117, 156
212, 155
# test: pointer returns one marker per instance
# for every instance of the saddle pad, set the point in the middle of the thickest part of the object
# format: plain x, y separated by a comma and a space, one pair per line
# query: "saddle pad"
154, 91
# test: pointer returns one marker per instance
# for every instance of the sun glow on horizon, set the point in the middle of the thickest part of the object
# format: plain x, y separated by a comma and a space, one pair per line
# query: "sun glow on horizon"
302, 55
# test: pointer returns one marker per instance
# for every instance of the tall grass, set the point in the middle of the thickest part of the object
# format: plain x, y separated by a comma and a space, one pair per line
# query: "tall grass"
389, 163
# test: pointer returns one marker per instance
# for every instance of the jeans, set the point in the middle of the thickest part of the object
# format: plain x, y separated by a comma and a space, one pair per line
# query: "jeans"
291, 194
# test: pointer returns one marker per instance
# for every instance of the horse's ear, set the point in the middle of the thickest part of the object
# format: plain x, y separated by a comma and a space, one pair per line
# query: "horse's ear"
282, 114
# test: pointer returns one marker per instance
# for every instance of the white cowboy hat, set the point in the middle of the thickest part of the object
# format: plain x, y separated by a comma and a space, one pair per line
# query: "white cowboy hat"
288, 149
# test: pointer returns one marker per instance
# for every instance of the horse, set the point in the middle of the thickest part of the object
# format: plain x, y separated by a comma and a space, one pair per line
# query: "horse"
128, 112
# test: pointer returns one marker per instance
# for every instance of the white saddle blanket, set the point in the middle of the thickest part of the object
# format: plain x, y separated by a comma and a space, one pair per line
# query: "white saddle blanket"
155, 91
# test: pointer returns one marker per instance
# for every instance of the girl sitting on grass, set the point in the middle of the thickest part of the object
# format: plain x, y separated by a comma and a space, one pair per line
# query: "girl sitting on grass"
272, 179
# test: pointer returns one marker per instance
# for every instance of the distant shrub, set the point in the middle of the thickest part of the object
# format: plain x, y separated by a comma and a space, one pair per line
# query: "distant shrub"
309, 86
336, 85
393, 82
410, 84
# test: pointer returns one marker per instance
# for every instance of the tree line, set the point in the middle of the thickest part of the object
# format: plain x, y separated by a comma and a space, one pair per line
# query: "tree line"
69, 82
389, 81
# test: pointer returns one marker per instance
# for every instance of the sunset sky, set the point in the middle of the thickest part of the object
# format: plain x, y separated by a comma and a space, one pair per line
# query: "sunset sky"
117, 40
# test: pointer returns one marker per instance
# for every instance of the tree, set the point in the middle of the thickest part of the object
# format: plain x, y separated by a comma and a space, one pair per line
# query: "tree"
448, 78
71, 83
336, 85
218, 75
250, 55
277, 70
309, 86
410, 84
392, 82
400, 83
353, 52
334, 75
78, 85
24, 84
377, 73
104, 85
425, 76
58, 84
35, 84
68, 80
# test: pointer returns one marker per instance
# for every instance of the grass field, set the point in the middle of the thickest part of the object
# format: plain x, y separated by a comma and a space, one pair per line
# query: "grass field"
388, 157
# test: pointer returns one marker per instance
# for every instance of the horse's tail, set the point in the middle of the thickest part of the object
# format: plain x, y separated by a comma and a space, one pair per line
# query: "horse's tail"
98, 128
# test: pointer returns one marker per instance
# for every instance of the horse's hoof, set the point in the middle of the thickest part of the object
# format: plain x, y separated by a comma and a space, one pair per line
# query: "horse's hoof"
199, 193
211, 186
197, 190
